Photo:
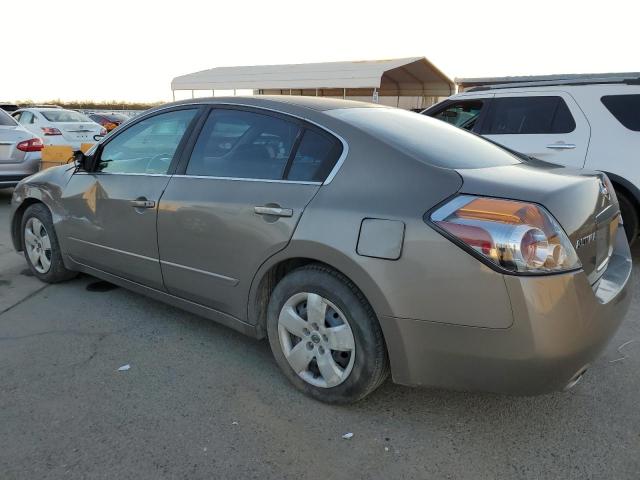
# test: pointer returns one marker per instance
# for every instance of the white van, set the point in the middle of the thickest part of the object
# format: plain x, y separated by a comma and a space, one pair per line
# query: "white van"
580, 123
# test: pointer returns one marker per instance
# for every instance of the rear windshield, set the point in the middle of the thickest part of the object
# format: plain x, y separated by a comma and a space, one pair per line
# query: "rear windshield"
626, 109
426, 139
112, 117
6, 120
63, 116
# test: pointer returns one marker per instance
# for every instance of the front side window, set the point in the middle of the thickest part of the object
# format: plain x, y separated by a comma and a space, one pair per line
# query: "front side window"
461, 114
147, 146
528, 115
626, 109
242, 144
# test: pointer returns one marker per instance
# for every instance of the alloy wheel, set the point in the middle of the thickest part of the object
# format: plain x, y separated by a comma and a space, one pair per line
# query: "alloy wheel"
38, 245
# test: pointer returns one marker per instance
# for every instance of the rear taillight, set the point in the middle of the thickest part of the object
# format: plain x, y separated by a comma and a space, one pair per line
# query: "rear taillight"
51, 131
516, 236
33, 145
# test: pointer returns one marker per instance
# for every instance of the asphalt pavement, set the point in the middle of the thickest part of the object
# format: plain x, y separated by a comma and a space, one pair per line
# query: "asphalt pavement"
201, 401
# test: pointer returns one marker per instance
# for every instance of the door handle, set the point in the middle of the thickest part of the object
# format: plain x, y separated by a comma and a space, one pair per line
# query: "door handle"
274, 211
562, 146
142, 203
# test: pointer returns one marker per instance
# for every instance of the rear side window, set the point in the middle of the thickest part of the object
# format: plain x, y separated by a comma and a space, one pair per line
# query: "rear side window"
529, 115
461, 114
626, 109
315, 157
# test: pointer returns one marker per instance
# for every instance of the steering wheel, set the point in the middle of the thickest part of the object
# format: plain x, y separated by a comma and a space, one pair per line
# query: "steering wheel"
158, 163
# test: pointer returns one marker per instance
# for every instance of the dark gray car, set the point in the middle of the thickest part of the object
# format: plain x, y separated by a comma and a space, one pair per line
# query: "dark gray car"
358, 239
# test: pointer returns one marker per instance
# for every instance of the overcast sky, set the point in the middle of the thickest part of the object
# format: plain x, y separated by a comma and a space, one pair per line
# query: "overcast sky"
130, 50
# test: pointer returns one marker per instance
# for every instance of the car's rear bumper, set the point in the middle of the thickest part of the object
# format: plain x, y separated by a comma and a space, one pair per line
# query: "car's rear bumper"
12, 173
561, 323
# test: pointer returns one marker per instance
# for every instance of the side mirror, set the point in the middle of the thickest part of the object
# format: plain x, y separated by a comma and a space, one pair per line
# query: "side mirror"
82, 161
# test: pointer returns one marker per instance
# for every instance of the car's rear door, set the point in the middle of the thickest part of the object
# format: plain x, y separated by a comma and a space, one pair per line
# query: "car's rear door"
236, 202
112, 209
545, 125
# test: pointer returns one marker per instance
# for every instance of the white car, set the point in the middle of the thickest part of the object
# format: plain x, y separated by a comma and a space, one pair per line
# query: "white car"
577, 123
58, 126
19, 151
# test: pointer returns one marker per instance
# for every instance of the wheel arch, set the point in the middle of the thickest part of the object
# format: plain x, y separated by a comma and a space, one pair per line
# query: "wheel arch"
16, 221
296, 256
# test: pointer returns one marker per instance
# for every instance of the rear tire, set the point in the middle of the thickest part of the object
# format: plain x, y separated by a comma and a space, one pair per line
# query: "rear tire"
41, 247
339, 349
629, 217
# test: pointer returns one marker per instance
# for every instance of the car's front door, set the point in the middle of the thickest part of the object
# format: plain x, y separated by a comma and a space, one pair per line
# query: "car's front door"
248, 179
545, 125
112, 208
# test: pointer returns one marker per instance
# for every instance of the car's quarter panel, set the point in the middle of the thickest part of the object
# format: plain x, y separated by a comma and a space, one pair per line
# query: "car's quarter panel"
103, 229
613, 147
212, 241
432, 274
560, 324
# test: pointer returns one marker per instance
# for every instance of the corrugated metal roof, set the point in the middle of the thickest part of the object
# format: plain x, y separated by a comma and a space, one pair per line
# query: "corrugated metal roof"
414, 72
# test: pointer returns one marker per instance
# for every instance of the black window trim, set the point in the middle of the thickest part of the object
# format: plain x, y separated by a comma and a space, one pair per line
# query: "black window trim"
302, 123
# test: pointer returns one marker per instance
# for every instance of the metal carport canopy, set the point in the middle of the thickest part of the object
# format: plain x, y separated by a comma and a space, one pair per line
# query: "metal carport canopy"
401, 76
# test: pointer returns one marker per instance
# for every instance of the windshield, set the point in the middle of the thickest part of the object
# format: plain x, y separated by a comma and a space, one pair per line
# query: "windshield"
6, 120
426, 139
63, 116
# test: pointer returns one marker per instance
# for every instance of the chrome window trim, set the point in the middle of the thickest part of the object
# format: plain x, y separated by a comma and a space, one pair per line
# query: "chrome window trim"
332, 173
240, 179
125, 173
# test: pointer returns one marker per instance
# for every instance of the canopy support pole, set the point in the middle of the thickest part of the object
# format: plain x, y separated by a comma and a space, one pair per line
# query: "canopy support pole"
192, 94
173, 92
316, 92
344, 93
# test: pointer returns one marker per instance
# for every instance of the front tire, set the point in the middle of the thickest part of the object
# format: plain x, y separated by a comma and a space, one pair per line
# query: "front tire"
325, 336
41, 247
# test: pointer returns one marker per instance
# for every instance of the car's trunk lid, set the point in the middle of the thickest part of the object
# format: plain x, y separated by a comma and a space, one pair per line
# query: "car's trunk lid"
78, 131
580, 200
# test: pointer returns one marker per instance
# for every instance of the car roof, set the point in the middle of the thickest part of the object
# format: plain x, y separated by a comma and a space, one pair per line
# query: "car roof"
314, 103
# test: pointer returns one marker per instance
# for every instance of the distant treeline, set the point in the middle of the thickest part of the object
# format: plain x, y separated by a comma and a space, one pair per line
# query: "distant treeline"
109, 105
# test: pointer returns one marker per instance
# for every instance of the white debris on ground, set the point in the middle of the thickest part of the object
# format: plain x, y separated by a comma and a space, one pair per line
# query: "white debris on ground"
347, 436
620, 351
124, 368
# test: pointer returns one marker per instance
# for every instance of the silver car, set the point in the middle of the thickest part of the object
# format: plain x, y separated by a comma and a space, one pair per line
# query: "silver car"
19, 151
360, 240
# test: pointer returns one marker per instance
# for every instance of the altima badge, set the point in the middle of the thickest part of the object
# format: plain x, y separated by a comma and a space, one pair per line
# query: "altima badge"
581, 242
